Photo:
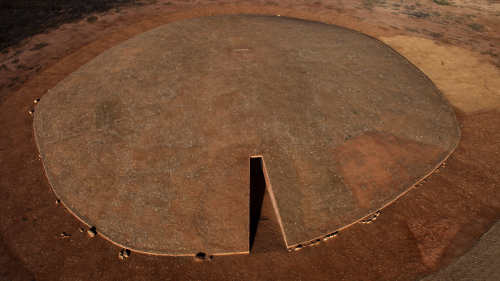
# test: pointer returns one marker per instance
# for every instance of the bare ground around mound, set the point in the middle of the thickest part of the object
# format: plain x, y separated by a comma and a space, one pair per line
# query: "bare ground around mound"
423, 232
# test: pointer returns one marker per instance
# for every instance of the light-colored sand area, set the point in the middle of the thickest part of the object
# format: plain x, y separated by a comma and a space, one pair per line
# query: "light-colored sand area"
464, 77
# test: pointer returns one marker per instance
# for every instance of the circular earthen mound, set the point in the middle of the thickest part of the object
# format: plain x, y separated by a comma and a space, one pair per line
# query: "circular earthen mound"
150, 142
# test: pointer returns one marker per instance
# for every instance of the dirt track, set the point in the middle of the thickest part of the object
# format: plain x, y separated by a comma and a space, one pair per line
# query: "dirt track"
420, 233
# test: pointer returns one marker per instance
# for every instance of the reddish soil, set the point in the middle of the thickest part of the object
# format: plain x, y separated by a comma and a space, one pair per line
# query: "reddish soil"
422, 232
374, 162
419, 233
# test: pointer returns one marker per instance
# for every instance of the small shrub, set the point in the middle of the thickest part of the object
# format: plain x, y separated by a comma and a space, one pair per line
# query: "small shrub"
476, 27
442, 2
39, 46
92, 19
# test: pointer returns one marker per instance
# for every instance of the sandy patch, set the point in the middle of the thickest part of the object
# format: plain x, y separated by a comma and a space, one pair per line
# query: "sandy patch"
468, 81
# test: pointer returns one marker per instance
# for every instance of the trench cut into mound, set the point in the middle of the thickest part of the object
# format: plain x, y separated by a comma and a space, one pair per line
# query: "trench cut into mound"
150, 141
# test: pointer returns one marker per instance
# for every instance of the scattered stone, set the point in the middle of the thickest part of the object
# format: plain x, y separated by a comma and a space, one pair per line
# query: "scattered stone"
125, 253
298, 247
200, 257
371, 217
64, 235
331, 235
92, 231
314, 242
37, 100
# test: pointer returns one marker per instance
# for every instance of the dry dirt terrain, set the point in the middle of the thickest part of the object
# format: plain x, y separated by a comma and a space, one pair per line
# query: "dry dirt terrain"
440, 230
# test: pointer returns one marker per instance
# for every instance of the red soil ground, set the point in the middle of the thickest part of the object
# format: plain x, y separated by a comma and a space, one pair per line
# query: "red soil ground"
422, 232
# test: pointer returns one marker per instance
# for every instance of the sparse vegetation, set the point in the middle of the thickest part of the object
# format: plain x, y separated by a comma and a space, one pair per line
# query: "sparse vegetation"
418, 14
436, 34
92, 19
369, 4
442, 2
22, 19
412, 30
476, 27
39, 46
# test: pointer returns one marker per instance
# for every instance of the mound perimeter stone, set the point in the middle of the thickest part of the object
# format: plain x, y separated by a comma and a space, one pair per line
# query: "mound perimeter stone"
150, 141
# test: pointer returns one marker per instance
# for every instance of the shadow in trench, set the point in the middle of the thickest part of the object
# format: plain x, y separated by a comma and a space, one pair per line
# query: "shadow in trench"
257, 192
265, 231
